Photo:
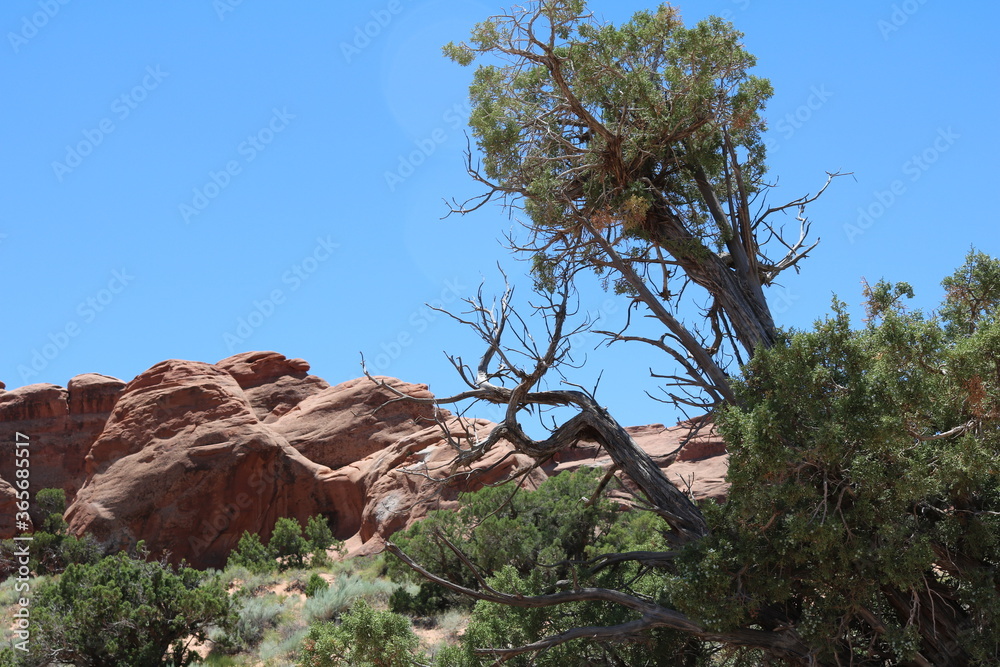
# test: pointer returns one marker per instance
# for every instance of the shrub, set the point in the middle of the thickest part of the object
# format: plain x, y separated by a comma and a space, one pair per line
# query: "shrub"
326, 603
252, 555
80, 550
319, 534
316, 583
287, 544
124, 611
364, 638
428, 599
253, 617
548, 525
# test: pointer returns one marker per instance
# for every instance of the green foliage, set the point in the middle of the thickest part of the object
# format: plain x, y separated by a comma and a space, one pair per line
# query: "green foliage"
365, 637
319, 534
864, 480
82, 550
587, 121
428, 599
124, 611
316, 583
973, 295
525, 546
251, 554
497, 526
287, 544
51, 505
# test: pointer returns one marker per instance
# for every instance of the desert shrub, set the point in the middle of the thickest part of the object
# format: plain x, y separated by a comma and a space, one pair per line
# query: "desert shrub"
365, 637
253, 616
81, 550
50, 506
124, 611
426, 599
497, 527
319, 534
326, 603
315, 584
287, 544
251, 554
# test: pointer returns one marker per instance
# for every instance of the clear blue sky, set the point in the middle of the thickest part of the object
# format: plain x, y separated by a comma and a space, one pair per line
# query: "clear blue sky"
168, 168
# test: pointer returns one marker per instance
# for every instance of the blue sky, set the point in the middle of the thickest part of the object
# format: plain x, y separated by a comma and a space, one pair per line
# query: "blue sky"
194, 179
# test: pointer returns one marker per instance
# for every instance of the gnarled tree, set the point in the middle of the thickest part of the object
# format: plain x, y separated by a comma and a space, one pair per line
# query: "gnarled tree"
862, 523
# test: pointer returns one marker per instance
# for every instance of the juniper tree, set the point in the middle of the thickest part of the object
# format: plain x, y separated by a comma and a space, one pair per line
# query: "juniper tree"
861, 526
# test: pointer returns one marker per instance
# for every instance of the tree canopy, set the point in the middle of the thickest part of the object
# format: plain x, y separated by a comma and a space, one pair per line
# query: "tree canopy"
637, 151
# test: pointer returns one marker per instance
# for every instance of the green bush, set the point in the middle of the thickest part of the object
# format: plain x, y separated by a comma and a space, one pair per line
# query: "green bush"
252, 555
80, 550
51, 505
428, 599
316, 583
546, 526
319, 534
253, 616
287, 544
124, 611
364, 638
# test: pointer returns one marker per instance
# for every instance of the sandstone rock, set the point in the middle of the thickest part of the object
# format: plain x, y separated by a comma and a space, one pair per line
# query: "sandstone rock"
346, 423
61, 425
185, 464
189, 455
272, 383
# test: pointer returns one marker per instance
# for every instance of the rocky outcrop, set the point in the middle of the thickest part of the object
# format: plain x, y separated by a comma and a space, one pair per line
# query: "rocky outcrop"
273, 384
61, 424
344, 424
189, 455
185, 464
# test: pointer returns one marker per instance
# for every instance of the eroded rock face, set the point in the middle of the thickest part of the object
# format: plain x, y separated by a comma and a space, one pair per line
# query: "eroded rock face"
189, 455
61, 425
185, 464
273, 384
344, 424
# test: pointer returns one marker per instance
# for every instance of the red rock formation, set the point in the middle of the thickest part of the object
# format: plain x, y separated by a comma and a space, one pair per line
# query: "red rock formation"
273, 384
189, 455
61, 425
344, 424
185, 464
